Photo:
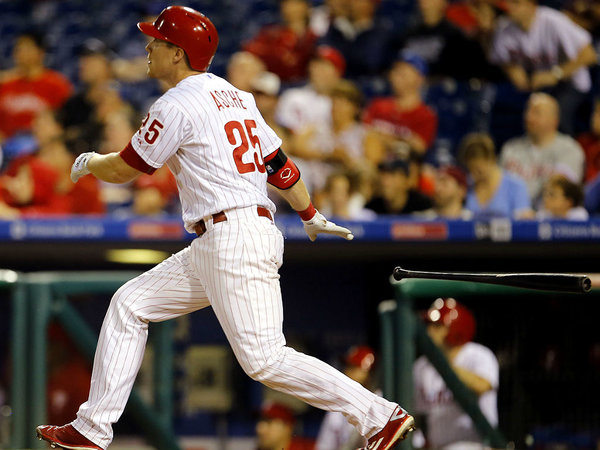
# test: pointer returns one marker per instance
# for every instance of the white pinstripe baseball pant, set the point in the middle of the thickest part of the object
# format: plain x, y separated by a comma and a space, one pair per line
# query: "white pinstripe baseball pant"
233, 268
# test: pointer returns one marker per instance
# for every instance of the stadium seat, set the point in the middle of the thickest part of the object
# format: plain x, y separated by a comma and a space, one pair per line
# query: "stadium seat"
459, 109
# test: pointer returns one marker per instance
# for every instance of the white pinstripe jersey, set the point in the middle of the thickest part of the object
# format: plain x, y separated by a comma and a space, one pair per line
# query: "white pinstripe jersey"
213, 138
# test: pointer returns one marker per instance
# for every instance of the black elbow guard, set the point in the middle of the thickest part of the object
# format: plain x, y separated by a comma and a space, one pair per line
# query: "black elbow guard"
282, 172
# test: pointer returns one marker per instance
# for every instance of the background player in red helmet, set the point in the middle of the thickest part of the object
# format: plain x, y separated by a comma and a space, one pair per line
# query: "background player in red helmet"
451, 326
336, 433
275, 429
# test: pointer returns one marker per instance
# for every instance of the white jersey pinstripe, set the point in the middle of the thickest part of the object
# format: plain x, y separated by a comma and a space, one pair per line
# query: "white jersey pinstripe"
187, 128
233, 266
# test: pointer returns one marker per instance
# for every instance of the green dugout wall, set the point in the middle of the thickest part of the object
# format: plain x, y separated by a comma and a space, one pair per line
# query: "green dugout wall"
36, 299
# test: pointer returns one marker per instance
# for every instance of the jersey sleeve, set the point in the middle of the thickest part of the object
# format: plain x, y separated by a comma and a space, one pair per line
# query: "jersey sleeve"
161, 134
500, 51
572, 37
482, 362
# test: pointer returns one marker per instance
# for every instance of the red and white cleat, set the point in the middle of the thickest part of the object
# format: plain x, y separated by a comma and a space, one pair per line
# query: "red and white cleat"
65, 437
397, 428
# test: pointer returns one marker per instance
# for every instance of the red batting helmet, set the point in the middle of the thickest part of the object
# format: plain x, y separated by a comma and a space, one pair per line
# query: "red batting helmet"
458, 319
188, 29
360, 356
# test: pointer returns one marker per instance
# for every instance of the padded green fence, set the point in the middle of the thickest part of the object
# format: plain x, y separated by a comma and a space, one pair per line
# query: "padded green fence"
39, 297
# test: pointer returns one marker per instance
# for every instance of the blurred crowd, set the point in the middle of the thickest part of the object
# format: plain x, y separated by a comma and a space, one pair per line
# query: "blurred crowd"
346, 91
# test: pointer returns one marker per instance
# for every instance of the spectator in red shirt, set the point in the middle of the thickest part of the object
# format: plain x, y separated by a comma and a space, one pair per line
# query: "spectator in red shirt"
28, 188
590, 142
30, 87
286, 48
39, 184
404, 117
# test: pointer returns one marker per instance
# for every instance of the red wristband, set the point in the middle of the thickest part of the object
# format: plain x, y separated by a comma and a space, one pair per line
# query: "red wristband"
308, 213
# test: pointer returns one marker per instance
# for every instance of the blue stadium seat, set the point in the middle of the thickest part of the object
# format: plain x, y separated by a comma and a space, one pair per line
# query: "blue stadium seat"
506, 117
400, 12
10, 26
18, 7
462, 107
140, 93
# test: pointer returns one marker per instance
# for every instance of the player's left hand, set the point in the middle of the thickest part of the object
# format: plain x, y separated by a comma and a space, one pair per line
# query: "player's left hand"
543, 79
79, 168
319, 224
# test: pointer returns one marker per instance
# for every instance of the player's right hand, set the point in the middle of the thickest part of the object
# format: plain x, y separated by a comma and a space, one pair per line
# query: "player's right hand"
79, 168
319, 224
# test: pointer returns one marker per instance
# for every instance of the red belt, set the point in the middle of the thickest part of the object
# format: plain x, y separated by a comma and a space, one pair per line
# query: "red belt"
200, 227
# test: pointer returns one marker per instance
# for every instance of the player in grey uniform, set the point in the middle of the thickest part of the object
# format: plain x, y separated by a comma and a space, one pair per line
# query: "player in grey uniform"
222, 153
451, 326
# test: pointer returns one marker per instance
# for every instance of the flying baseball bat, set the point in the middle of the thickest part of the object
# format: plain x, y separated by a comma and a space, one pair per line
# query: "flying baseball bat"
541, 281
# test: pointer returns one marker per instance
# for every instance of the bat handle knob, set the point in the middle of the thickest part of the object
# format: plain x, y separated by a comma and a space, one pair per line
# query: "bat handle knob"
398, 273
586, 284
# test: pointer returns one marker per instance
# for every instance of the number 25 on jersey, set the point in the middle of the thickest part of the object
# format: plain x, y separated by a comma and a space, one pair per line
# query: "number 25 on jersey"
242, 136
153, 130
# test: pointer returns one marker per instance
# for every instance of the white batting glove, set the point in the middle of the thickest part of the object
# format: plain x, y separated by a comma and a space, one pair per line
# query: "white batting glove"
319, 224
79, 168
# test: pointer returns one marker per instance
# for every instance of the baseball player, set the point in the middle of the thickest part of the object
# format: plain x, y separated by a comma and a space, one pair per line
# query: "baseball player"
451, 326
222, 154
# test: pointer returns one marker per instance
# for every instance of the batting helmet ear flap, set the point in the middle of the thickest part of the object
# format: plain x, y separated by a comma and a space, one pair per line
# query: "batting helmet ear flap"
459, 320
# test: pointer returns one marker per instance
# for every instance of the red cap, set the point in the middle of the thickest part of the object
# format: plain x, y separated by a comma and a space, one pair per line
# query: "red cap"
278, 411
455, 172
360, 356
333, 56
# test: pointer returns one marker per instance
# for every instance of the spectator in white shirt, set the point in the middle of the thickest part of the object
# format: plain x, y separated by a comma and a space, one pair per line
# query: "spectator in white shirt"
541, 48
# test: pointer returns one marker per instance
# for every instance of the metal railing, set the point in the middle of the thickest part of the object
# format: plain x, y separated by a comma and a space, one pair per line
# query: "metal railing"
37, 298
